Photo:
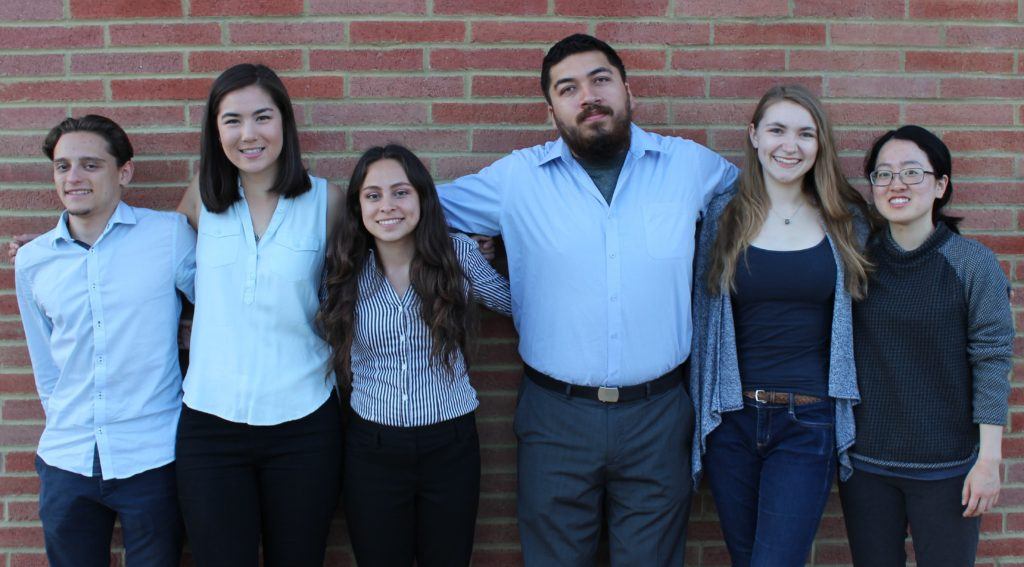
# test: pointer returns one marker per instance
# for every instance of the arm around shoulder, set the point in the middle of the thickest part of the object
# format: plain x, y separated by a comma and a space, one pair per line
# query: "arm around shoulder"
191, 202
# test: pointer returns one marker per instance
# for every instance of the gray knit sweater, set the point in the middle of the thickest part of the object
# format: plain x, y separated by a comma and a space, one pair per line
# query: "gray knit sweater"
714, 371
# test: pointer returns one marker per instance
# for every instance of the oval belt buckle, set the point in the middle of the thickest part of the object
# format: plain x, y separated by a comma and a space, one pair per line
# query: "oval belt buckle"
608, 395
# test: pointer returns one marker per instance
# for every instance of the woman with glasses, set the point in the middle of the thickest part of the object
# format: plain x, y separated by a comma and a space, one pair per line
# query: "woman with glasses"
772, 357
934, 341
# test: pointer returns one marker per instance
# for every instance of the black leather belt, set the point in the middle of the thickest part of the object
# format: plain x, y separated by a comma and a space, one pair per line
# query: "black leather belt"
654, 387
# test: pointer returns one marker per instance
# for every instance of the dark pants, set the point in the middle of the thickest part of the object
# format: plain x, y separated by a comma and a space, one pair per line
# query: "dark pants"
771, 468
877, 510
78, 515
411, 493
239, 483
580, 459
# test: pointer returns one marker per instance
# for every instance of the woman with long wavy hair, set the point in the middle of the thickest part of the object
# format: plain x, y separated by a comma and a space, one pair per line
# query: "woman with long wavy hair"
772, 366
397, 315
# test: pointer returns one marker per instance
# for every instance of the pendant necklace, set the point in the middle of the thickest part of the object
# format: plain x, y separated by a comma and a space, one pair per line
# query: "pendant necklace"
789, 219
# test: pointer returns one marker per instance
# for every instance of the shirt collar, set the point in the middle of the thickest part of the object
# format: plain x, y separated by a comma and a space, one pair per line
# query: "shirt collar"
123, 214
640, 141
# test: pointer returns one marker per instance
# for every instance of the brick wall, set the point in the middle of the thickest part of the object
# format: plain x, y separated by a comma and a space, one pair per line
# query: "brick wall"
457, 81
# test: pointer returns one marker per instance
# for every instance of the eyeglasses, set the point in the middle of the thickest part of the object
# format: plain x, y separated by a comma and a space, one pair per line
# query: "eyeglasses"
909, 176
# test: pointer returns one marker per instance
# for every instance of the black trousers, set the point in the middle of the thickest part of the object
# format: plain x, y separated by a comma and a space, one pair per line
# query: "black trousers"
877, 510
239, 484
411, 493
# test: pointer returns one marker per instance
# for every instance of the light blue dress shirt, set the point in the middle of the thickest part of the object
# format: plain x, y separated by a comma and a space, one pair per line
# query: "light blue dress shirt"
256, 356
101, 326
600, 293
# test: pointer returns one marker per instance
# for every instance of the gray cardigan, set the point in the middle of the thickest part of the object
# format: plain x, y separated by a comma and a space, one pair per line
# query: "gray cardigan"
714, 369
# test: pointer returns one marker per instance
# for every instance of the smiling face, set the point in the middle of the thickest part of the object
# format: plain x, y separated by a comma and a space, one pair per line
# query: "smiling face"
907, 207
786, 140
87, 176
389, 204
591, 105
251, 132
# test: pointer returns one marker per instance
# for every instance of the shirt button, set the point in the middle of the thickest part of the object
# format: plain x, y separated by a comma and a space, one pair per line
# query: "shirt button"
99, 323
612, 255
614, 298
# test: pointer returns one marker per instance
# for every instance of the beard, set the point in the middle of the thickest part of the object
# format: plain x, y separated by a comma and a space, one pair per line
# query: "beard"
597, 144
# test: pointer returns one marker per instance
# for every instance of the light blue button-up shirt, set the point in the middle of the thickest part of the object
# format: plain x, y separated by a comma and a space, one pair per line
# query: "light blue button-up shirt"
101, 326
600, 293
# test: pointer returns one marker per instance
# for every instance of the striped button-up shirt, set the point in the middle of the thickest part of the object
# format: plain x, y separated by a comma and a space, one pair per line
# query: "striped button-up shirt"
394, 379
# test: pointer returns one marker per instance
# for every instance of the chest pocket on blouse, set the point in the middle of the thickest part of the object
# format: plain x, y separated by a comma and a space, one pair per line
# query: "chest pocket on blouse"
669, 228
293, 257
218, 245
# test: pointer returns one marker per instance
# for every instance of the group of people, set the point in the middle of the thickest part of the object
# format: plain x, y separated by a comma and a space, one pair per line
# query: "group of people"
822, 333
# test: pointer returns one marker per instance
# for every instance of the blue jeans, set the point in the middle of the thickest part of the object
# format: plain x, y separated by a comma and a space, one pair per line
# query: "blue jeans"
580, 460
771, 467
78, 515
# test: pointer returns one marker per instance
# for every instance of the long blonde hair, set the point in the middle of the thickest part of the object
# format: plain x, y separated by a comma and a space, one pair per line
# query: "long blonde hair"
824, 185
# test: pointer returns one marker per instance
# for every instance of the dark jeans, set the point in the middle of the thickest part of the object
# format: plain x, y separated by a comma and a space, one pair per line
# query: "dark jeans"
877, 510
771, 468
411, 493
581, 459
78, 515
241, 483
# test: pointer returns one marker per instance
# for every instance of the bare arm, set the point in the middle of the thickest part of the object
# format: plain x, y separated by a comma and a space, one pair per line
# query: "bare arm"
335, 200
981, 487
190, 203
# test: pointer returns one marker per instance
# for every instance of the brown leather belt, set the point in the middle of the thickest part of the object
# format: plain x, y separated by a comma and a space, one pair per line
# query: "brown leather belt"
780, 398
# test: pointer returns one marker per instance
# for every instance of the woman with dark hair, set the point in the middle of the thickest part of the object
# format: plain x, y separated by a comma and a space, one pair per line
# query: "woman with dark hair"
934, 343
772, 370
397, 317
259, 440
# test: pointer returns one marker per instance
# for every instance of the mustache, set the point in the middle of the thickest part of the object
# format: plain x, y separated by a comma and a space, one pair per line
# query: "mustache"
591, 110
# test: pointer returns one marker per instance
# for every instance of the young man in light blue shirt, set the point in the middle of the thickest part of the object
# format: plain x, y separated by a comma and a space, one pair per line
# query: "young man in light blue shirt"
599, 228
99, 304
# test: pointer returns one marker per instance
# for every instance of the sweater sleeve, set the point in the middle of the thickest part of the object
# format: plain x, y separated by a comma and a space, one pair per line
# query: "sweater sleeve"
989, 329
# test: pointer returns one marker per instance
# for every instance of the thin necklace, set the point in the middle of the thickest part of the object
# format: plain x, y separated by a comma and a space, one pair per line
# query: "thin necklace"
789, 219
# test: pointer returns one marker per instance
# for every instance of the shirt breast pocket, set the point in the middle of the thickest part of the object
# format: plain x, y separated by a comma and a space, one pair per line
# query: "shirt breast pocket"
669, 229
294, 257
218, 245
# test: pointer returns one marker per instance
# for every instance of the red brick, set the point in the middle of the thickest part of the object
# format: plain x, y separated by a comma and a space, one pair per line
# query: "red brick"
754, 87
250, 8
505, 86
366, 60
449, 168
974, 36
989, 87
833, 60
450, 59
863, 113
489, 113
1000, 547
991, 192
655, 33
322, 141
504, 141
734, 8
964, 9
17, 436
22, 511
641, 60
518, 32
10, 330
1002, 244
418, 140
217, 61
21, 537
646, 86
405, 87
106, 9
959, 114
42, 117
847, 9
166, 143
287, 34
769, 34
31, 65
50, 37
347, 114
160, 170
27, 559
160, 198
364, 7
970, 141
650, 112
31, 10
20, 383
729, 60
38, 91
703, 112
22, 410
314, 87
498, 7
407, 32
983, 166
159, 89
896, 86
165, 34
133, 116
625, 8
878, 35
126, 63
955, 62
